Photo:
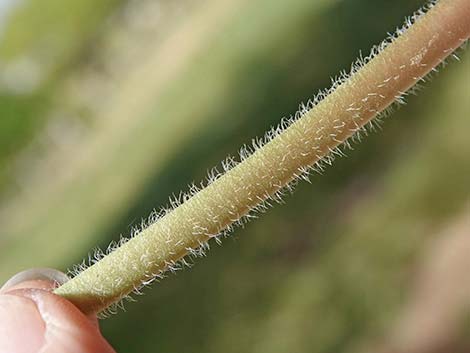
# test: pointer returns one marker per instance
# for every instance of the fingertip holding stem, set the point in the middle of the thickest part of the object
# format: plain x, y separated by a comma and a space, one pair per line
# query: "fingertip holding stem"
33, 319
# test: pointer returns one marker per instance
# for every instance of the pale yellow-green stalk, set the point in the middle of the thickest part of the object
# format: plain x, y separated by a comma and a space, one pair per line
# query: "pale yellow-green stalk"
287, 154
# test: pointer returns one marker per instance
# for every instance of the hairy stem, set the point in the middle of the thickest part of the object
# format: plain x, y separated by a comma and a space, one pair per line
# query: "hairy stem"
288, 152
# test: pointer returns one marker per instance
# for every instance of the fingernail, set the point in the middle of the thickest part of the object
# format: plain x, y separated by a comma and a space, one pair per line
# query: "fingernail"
46, 274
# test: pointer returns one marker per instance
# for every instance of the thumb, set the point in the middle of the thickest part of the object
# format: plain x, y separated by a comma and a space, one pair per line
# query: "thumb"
34, 320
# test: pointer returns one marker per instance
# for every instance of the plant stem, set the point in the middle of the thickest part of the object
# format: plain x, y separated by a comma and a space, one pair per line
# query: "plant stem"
287, 154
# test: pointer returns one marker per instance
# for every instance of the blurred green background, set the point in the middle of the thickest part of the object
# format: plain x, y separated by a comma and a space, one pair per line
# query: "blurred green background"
107, 108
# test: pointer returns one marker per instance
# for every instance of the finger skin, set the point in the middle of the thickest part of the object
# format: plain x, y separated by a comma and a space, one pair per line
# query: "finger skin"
34, 320
22, 329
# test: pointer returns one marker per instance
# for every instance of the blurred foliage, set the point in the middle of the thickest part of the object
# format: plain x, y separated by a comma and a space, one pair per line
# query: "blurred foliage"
324, 273
41, 41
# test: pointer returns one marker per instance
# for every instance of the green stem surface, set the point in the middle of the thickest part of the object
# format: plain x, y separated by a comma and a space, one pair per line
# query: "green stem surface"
259, 177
